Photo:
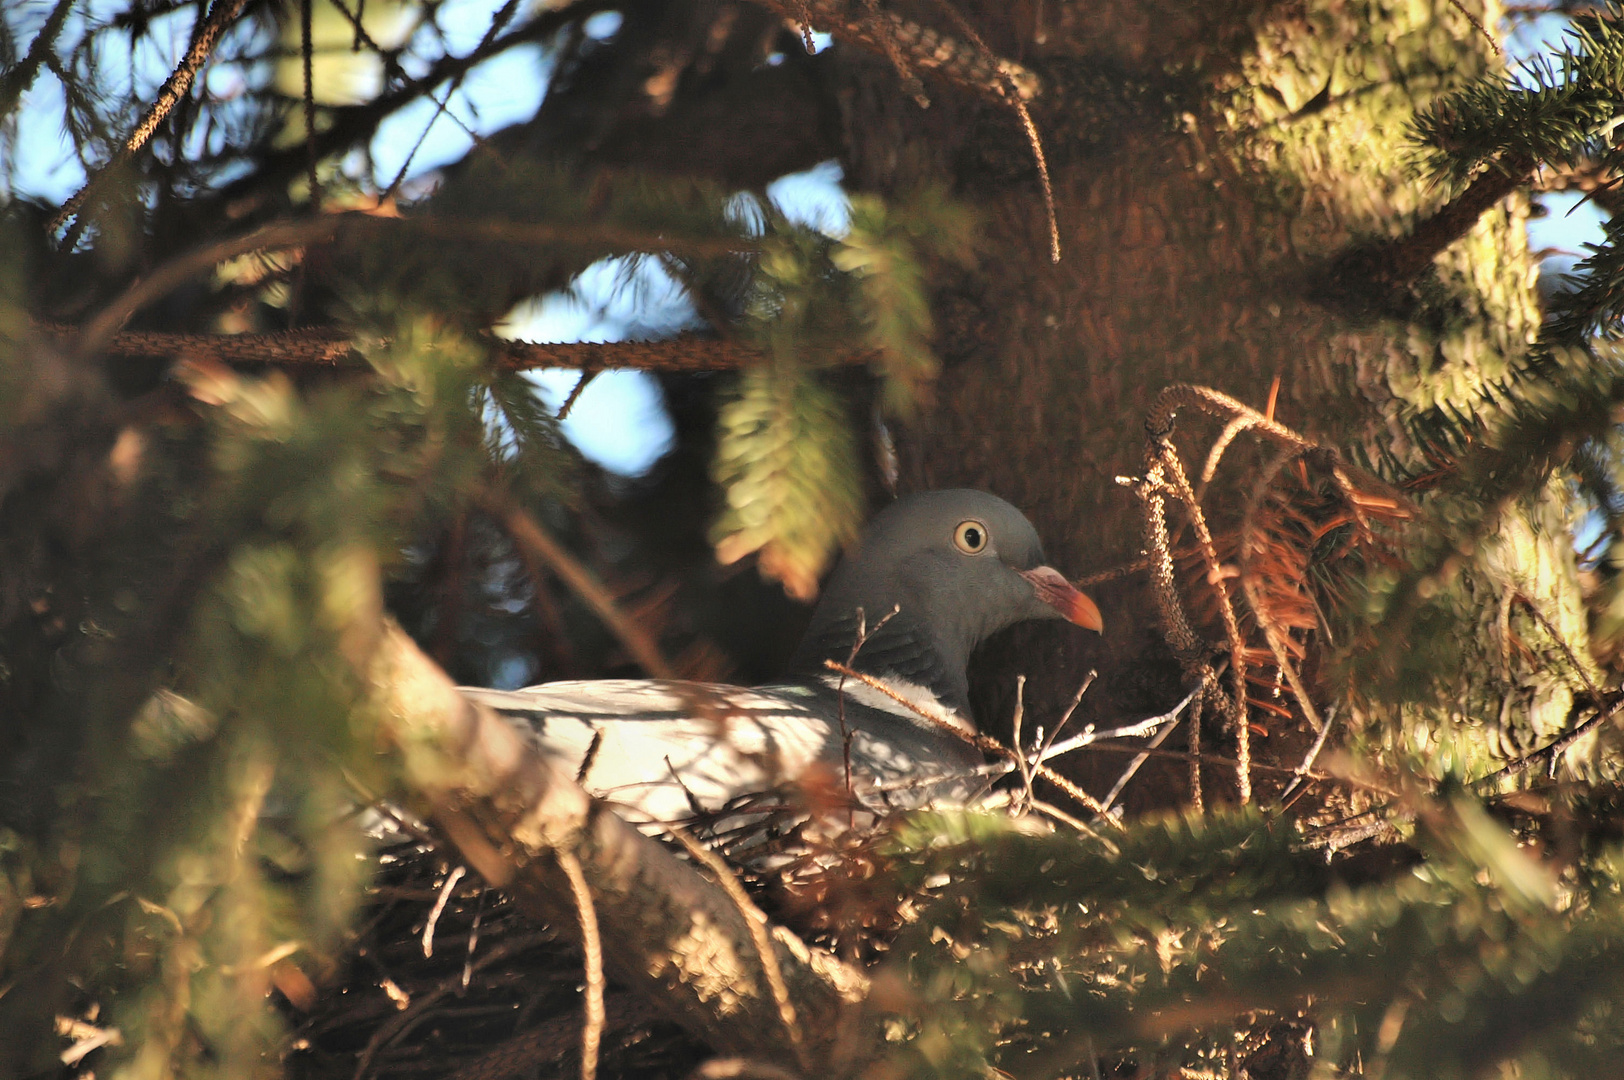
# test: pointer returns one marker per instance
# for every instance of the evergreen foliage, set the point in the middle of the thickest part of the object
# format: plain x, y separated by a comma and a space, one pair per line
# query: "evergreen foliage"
196, 560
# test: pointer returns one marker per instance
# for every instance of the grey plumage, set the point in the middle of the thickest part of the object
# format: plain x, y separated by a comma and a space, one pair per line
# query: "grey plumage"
932, 576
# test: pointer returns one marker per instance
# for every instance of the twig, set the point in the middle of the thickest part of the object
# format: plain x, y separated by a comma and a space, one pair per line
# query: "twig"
1010, 92
1231, 763
525, 530
307, 51
587, 375
410, 1017
1053, 811
1477, 24
1077, 699
473, 939
1133, 766
1556, 747
451, 880
1021, 761
758, 923
1137, 728
863, 634
592, 949
1562, 643
1308, 760
15, 83
976, 739
174, 88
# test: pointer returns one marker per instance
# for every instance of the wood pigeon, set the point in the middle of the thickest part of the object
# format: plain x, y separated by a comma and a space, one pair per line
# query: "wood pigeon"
932, 576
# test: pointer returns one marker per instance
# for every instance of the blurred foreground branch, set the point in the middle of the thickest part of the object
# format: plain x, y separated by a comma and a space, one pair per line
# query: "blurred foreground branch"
672, 936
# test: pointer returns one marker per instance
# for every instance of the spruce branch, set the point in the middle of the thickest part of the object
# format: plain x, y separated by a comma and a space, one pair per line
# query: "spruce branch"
1374, 271
15, 83
220, 16
335, 228
295, 349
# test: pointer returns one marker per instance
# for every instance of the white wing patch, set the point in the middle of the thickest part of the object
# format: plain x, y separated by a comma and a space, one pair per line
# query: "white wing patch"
920, 696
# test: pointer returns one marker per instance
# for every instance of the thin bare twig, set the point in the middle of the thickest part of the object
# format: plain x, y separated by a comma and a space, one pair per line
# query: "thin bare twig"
1128, 731
592, 949
1562, 643
451, 880
863, 634
1285, 799
307, 57
1557, 746
1477, 24
525, 530
758, 924
1022, 764
222, 15
976, 739
1065, 717
1133, 766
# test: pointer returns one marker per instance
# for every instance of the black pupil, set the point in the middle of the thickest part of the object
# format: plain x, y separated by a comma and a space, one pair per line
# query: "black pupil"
972, 537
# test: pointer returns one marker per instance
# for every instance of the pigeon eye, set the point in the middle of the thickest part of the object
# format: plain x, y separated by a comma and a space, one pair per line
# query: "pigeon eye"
970, 537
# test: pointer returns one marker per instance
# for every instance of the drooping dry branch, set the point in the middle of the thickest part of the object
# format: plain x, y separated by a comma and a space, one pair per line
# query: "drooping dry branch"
1165, 479
921, 47
669, 935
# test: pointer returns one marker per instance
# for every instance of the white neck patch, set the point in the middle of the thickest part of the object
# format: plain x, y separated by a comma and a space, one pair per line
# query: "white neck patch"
920, 697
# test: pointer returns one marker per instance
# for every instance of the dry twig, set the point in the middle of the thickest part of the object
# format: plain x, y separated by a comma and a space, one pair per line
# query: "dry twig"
976, 739
451, 880
758, 923
526, 531
592, 950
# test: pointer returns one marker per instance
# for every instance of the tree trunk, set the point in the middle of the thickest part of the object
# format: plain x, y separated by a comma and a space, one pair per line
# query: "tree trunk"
1213, 163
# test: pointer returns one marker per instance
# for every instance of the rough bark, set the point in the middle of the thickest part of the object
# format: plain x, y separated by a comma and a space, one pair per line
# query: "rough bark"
1212, 233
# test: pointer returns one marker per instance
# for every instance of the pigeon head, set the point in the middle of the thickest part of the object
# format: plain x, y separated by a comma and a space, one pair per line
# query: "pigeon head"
956, 567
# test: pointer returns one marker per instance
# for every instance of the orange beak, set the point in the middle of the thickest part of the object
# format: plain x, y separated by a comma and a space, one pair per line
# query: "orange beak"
1053, 589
